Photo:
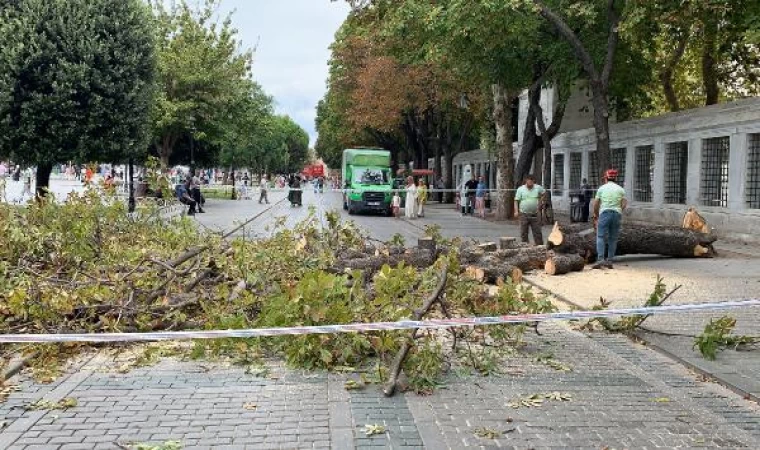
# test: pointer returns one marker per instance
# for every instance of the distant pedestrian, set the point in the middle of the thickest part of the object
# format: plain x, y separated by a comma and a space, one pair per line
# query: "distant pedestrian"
422, 197
471, 188
264, 187
528, 198
586, 195
609, 205
396, 204
480, 197
410, 208
27, 184
440, 186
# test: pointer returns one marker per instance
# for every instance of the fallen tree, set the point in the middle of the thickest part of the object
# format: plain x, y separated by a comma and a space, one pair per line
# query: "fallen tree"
634, 239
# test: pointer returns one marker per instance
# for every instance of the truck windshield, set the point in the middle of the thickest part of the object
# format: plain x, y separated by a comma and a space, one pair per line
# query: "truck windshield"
371, 176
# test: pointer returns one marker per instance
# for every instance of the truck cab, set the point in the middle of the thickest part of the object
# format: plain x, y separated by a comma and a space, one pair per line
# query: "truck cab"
367, 181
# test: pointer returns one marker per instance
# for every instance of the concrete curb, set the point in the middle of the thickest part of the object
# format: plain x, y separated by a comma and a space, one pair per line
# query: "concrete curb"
649, 343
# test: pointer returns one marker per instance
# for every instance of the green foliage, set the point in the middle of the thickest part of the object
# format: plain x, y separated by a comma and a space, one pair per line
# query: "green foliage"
718, 334
203, 76
78, 88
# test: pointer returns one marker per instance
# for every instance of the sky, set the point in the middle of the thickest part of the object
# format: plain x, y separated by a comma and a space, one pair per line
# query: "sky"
292, 39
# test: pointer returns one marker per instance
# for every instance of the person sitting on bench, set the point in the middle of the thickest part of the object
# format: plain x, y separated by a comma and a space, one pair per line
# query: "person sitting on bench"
184, 197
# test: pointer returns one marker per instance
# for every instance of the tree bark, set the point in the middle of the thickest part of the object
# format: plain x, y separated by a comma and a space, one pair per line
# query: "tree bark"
42, 179
666, 75
502, 117
636, 239
598, 81
709, 63
530, 137
562, 264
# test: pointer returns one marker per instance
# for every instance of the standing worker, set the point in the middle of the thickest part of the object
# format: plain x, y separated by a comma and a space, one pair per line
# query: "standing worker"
527, 200
608, 214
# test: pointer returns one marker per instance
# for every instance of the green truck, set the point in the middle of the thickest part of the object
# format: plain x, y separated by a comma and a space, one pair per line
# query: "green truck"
367, 181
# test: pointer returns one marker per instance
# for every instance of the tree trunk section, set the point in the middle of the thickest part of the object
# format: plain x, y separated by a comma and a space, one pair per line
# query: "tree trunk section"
561, 264
601, 126
42, 179
635, 239
709, 64
502, 117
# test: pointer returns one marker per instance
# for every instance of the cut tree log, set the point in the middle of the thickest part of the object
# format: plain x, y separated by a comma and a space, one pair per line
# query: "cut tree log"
634, 239
559, 264
372, 263
488, 247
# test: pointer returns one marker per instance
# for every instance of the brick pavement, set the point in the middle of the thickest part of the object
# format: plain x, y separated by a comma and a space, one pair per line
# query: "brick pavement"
623, 396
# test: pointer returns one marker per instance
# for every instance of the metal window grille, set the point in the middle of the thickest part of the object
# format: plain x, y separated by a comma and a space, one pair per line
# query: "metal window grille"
676, 167
753, 172
593, 170
617, 161
644, 173
714, 171
558, 181
576, 166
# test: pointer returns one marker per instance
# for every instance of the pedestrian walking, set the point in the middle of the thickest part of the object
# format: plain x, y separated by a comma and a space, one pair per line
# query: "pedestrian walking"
471, 188
263, 186
410, 208
480, 197
197, 195
609, 204
586, 195
422, 196
27, 184
440, 185
528, 198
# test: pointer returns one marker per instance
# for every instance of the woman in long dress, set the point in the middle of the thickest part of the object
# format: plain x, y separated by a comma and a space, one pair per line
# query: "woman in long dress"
410, 208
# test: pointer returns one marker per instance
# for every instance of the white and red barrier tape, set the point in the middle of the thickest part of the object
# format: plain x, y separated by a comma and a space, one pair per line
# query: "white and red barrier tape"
377, 326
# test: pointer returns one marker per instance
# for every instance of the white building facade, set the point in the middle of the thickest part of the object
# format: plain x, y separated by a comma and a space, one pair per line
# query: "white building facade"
708, 158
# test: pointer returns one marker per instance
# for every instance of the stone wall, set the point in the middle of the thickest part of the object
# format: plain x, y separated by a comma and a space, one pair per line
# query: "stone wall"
725, 191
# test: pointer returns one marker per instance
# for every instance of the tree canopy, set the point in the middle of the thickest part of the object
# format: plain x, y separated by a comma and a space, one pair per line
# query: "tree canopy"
76, 81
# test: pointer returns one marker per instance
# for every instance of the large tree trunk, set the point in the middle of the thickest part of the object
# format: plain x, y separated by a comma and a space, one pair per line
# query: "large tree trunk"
634, 239
502, 117
601, 126
666, 75
530, 137
42, 179
709, 63
598, 80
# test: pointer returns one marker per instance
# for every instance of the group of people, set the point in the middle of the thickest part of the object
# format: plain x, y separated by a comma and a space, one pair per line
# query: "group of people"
608, 206
473, 196
414, 203
189, 193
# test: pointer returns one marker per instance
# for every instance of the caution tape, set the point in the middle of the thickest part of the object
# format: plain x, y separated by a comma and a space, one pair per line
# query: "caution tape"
376, 326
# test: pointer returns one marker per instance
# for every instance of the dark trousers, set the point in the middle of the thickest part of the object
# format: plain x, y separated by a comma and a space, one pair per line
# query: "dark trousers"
189, 202
585, 210
534, 222
263, 196
198, 197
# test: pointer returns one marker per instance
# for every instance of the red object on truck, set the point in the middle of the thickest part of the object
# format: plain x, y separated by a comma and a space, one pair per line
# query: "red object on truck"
314, 171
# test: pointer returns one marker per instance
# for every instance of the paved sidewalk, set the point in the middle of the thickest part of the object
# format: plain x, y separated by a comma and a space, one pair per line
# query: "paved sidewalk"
621, 395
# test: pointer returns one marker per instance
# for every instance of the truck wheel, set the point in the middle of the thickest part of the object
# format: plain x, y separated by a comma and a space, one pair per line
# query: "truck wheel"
345, 205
